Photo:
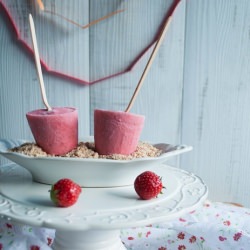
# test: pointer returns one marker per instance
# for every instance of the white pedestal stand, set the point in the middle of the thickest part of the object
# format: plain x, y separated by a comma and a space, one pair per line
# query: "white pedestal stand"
88, 240
94, 223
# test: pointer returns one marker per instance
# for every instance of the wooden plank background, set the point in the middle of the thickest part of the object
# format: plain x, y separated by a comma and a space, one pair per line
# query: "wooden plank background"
216, 97
196, 93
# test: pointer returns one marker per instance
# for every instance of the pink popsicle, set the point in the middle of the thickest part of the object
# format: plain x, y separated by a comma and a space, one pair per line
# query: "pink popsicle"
116, 132
56, 131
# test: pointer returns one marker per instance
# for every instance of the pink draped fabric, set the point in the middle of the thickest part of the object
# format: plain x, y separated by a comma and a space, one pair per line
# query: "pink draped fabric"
6, 8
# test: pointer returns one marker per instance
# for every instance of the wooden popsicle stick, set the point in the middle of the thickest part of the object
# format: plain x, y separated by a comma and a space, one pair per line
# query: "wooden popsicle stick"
149, 63
38, 64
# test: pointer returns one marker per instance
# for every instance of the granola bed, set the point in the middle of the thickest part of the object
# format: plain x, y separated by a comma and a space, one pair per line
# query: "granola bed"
87, 150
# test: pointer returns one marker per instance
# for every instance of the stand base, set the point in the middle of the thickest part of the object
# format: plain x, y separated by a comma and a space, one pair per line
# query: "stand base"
88, 240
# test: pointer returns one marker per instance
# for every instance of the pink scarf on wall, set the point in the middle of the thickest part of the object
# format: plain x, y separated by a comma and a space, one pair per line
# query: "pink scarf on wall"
46, 65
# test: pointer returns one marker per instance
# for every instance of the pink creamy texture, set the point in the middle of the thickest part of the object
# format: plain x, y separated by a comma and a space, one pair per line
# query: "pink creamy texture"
116, 132
56, 131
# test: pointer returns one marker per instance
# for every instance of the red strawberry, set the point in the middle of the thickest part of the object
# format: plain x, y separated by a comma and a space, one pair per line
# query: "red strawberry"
65, 193
148, 185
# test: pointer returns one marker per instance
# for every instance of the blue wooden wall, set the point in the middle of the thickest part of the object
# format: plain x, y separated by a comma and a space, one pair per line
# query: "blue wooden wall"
197, 91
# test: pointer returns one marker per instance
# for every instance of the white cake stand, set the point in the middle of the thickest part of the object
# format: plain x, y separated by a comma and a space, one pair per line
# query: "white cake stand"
94, 222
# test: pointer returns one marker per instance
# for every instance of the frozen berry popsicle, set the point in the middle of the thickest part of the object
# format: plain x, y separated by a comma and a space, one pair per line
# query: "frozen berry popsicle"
116, 132
55, 131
